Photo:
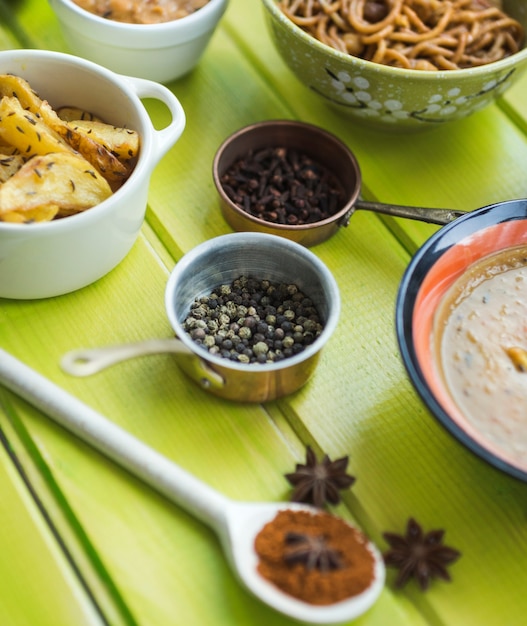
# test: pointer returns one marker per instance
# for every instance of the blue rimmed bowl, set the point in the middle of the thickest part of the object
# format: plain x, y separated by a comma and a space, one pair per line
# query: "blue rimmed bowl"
448, 255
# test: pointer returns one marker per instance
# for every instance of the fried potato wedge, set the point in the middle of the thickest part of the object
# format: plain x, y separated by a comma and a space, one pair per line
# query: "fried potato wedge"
122, 142
61, 179
7, 148
29, 134
56, 163
43, 213
96, 153
102, 158
73, 114
17, 87
9, 165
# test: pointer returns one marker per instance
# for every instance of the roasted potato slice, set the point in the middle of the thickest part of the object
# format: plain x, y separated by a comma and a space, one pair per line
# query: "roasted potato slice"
122, 142
43, 213
106, 162
96, 153
61, 179
55, 165
29, 134
9, 165
17, 87
72, 114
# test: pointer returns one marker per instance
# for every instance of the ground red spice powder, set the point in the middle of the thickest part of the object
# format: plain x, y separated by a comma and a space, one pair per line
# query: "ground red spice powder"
314, 586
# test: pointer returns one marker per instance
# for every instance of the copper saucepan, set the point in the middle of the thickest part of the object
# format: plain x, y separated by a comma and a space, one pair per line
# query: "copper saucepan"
328, 151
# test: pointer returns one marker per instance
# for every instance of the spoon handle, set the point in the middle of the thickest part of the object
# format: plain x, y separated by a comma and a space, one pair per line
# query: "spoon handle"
422, 214
163, 475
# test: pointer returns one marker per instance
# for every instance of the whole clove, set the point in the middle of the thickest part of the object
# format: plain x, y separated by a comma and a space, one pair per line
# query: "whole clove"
283, 186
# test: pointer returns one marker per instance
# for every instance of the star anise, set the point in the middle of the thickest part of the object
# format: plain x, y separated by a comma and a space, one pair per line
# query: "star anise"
319, 482
312, 551
419, 555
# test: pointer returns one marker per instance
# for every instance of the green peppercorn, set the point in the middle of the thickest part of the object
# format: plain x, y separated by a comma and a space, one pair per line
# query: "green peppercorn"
208, 341
245, 332
292, 289
260, 348
213, 326
298, 337
292, 340
310, 326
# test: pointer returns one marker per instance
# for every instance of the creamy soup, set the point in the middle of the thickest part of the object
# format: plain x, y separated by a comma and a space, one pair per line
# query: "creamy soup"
142, 11
480, 332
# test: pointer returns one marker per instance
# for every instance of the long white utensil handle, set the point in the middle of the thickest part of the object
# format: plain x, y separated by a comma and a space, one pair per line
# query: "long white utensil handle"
119, 445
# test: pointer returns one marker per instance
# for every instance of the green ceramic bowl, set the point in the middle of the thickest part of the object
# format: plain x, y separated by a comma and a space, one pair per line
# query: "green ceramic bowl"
390, 97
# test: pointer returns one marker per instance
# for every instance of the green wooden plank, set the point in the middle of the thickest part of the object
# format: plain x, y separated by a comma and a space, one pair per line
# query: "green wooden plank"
513, 103
39, 586
55, 510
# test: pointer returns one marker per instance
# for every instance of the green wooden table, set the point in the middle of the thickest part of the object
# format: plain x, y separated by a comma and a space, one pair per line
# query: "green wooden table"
84, 543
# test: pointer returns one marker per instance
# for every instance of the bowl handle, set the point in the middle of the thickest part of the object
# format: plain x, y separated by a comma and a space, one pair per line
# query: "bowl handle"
167, 136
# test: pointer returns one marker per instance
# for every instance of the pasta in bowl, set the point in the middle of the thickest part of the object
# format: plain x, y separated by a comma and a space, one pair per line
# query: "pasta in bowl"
402, 64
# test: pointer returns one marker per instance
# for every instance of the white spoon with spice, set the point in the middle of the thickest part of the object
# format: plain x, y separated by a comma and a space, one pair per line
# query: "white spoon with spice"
237, 524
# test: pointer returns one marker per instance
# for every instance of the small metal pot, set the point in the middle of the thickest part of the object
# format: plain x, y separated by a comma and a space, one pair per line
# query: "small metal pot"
211, 264
264, 256
328, 151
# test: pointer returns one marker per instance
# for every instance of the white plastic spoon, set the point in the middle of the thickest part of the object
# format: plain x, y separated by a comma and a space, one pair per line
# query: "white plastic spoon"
236, 523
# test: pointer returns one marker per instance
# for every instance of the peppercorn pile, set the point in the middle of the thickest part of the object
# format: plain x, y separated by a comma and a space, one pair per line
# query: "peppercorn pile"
254, 321
283, 187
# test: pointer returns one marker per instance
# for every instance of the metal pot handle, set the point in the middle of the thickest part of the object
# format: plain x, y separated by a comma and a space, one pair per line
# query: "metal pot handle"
88, 361
422, 214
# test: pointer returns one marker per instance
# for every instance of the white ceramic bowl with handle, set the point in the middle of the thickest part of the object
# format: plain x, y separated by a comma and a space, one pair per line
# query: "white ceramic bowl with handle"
160, 52
47, 259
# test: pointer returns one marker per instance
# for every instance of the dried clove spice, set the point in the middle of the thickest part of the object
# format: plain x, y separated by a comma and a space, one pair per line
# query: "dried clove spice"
254, 321
283, 186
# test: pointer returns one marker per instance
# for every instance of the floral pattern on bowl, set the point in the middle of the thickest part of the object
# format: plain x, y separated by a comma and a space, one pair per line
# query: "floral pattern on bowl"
357, 93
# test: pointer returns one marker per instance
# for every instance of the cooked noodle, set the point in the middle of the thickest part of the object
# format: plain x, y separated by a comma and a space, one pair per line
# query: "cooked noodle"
413, 34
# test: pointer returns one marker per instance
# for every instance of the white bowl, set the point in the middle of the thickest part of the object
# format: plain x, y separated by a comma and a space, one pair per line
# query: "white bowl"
46, 259
160, 52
